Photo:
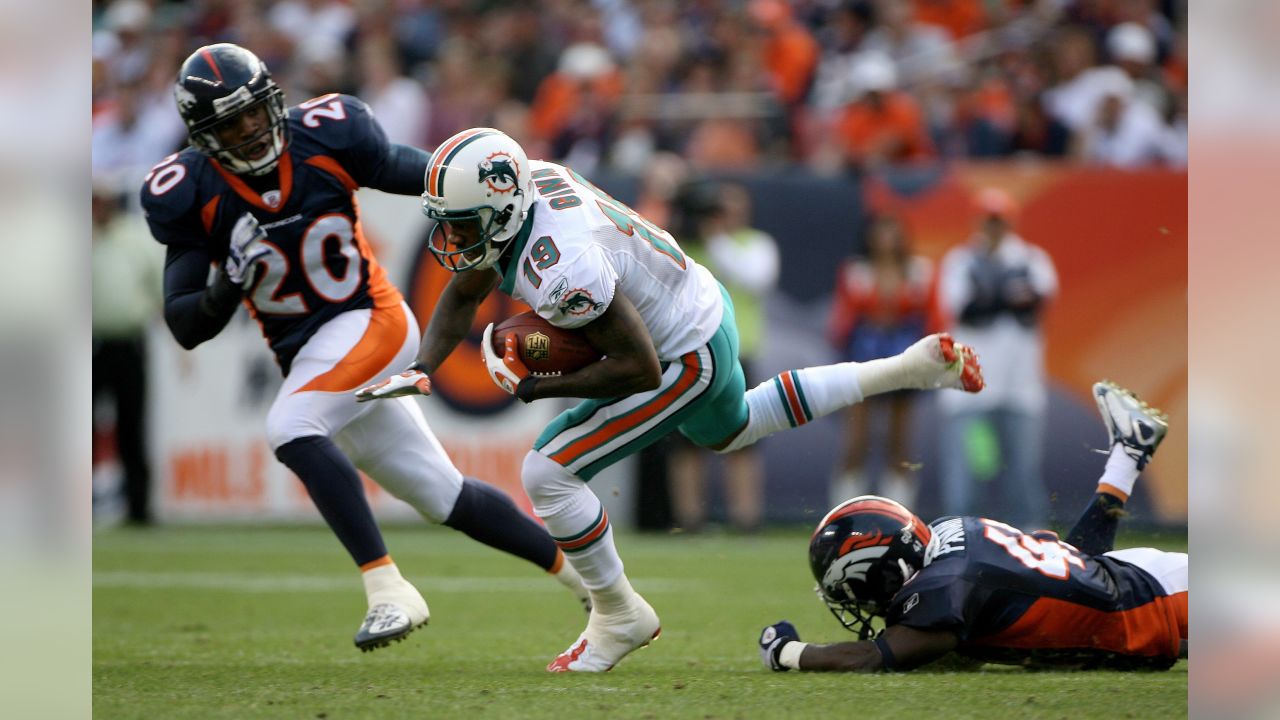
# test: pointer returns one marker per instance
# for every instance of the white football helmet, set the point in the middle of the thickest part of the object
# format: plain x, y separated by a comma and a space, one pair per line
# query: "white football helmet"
477, 179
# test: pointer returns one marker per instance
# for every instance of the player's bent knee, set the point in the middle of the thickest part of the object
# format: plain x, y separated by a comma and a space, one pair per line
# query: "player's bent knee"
436, 504
419, 479
547, 483
738, 441
283, 427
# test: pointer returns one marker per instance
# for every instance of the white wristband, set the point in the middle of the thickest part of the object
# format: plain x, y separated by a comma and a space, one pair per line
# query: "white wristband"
790, 655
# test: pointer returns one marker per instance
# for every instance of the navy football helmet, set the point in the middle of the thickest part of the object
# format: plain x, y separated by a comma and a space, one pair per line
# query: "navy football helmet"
861, 554
215, 85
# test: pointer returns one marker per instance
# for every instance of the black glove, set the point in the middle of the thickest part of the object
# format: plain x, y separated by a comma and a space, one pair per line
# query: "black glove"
772, 639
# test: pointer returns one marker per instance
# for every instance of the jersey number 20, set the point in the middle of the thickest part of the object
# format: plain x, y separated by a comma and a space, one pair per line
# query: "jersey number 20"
319, 275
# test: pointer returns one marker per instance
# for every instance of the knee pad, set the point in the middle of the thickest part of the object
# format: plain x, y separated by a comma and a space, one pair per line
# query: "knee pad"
550, 486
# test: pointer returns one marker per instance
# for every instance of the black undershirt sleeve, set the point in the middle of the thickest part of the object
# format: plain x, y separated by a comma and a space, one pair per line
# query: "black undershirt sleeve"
401, 172
196, 311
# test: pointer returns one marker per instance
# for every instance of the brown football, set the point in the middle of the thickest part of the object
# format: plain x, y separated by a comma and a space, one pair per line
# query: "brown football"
544, 348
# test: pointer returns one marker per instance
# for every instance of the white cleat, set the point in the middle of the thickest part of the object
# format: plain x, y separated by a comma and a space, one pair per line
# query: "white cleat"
938, 361
608, 639
393, 614
1137, 426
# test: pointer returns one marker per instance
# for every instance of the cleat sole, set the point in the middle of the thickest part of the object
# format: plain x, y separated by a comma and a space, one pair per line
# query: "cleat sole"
376, 643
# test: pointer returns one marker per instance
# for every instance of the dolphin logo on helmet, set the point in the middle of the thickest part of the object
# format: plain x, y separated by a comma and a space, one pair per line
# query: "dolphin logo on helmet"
502, 169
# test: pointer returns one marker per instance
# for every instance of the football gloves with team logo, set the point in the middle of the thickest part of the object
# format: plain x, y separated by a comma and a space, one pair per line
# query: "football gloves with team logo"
247, 247
506, 371
409, 382
772, 639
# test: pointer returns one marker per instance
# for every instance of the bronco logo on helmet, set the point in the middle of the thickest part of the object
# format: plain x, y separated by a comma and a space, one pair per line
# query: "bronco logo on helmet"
499, 171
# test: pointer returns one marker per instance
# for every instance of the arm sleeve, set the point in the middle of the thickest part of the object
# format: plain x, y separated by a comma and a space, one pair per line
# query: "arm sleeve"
401, 171
196, 311
937, 601
361, 145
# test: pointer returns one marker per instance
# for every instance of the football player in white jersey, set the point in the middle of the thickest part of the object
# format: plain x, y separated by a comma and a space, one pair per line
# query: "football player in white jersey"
665, 327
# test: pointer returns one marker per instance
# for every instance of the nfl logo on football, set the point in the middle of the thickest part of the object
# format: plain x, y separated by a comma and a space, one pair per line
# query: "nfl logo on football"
537, 346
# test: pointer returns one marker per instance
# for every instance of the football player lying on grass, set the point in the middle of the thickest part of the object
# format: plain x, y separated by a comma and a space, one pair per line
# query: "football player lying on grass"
991, 592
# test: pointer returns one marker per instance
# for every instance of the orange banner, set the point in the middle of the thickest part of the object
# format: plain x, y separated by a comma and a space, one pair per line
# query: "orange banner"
1119, 241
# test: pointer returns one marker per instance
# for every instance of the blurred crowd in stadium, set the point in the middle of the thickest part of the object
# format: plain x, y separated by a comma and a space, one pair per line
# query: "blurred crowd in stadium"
668, 92
836, 85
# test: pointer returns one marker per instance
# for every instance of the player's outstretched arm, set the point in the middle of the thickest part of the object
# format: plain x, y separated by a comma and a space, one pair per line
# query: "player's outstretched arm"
454, 312
450, 322
400, 171
898, 648
630, 363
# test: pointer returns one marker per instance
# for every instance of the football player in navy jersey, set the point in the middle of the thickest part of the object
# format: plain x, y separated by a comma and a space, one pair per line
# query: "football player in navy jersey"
991, 592
266, 194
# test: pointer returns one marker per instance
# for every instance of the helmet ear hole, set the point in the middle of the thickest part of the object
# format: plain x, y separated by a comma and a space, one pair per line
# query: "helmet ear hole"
503, 216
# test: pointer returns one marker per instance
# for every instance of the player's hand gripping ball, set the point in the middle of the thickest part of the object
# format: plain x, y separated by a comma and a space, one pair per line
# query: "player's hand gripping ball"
543, 348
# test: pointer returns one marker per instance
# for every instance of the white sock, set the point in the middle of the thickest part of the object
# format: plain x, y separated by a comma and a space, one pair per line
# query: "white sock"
581, 528
1121, 471
615, 598
795, 397
882, 375
381, 579
570, 578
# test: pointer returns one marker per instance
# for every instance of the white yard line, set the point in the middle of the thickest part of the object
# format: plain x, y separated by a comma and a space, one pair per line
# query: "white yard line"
250, 583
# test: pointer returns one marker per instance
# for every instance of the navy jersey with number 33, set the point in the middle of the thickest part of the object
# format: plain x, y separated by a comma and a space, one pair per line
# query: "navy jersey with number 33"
318, 263
1022, 598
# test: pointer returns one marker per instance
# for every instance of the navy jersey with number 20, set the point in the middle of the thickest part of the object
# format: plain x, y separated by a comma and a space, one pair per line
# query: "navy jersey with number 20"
318, 264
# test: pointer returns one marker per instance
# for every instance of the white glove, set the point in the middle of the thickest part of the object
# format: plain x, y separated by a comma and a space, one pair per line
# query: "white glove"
247, 247
409, 382
506, 371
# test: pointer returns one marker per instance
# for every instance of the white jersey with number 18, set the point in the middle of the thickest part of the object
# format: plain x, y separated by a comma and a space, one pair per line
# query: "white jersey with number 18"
584, 246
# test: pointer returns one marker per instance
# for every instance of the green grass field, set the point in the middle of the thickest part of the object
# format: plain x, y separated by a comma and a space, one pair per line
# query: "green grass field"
236, 622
